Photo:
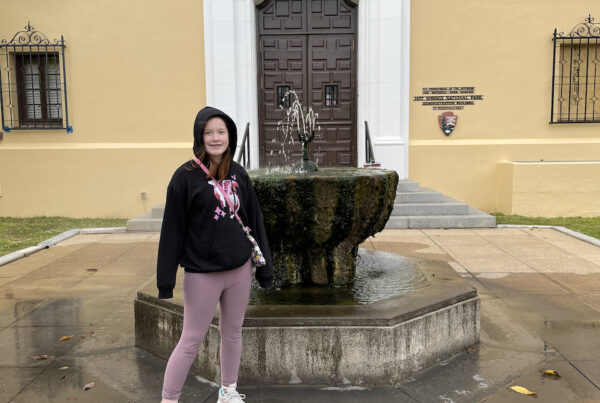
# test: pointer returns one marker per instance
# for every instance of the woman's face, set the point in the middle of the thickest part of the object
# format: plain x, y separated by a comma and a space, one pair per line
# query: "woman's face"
216, 138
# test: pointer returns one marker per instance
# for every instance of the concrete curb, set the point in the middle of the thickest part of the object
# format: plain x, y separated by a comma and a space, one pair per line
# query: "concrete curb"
574, 234
106, 230
11, 257
59, 238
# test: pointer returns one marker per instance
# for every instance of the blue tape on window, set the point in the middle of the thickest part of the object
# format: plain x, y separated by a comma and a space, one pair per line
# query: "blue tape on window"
6, 129
69, 129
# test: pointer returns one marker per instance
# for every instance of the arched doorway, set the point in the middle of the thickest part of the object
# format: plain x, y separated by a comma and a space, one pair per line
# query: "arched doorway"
310, 47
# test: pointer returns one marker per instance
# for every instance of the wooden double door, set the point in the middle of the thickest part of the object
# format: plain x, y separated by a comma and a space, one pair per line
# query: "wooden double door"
308, 47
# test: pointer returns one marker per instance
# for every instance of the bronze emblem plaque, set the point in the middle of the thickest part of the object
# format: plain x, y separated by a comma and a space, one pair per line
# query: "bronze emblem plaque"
447, 121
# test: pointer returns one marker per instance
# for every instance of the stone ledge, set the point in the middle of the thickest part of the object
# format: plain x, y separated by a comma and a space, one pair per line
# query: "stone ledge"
324, 355
548, 188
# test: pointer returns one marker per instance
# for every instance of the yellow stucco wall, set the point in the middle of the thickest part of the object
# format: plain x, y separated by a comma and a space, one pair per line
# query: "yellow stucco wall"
135, 80
504, 50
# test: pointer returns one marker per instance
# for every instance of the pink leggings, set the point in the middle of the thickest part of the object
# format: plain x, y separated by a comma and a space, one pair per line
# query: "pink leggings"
201, 293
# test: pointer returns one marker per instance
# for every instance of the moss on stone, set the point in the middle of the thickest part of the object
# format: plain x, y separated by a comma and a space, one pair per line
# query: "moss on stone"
315, 222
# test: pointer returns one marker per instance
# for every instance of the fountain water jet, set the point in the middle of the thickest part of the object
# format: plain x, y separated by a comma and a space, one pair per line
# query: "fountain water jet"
304, 125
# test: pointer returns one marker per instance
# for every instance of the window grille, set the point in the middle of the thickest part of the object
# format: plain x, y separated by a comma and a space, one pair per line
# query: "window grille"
331, 95
33, 87
576, 74
283, 96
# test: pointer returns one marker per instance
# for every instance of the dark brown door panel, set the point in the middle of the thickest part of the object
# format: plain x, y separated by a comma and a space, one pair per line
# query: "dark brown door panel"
310, 47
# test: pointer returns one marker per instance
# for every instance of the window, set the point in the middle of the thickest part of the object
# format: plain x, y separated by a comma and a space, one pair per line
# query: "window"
576, 76
283, 96
331, 95
38, 85
32, 80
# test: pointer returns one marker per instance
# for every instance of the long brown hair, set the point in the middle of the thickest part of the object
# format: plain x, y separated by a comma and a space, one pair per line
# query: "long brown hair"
217, 171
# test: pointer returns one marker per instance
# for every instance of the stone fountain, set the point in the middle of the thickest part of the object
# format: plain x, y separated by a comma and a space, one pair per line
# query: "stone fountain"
337, 314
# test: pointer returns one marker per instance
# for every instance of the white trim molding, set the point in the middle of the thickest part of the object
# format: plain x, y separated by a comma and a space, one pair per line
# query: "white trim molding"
392, 141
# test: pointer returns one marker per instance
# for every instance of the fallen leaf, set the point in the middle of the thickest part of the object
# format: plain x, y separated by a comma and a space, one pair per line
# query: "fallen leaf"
71, 398
42, 357
89, 386
551, 372
470, 350
92, 270
63, 368
65, 338
525, 391
87, 334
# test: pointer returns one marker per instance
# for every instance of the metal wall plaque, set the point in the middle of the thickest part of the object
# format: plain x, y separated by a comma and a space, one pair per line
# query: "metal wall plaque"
448, 98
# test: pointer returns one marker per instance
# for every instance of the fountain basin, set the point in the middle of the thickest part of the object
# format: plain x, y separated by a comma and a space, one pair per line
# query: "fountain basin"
379, 343
378, 276
315, 221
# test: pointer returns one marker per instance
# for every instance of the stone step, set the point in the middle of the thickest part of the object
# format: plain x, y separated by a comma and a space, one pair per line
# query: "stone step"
158, 211
448, 207
145, 223
415, 207
423, 195
474, 219
406, 185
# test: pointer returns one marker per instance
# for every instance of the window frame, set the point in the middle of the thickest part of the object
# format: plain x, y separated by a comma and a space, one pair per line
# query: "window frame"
24, 121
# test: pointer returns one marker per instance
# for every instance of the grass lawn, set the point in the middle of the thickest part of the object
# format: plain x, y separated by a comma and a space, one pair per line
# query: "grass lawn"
586, 225
19, 233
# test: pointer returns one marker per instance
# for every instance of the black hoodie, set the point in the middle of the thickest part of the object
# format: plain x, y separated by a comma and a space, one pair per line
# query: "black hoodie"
198, 230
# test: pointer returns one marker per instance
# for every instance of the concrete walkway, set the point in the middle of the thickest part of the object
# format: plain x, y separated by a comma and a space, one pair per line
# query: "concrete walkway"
540, 292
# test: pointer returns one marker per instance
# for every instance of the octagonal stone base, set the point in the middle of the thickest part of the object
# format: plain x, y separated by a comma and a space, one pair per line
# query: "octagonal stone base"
376, 344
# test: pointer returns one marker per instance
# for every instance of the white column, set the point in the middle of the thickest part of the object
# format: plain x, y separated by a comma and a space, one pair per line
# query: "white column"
230, 62
383, 81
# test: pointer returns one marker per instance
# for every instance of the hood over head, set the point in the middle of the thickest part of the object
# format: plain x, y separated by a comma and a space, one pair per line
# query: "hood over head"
205, 115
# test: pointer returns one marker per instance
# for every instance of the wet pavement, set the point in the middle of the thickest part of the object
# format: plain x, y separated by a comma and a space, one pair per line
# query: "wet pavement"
539, 288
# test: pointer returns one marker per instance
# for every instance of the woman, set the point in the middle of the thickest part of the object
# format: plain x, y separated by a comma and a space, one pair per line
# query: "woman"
201, 234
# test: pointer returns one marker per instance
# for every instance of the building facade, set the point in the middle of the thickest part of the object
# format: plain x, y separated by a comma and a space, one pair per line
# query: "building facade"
479, 100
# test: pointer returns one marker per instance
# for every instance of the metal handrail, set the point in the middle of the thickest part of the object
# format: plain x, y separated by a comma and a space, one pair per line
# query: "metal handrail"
244, 154
369, 154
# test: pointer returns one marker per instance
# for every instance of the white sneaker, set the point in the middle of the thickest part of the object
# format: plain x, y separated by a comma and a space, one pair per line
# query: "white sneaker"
230, 395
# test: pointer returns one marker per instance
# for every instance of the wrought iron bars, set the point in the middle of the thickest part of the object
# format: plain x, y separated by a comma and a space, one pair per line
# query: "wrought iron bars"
244, 153
576, 74
369, 154
33, 87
